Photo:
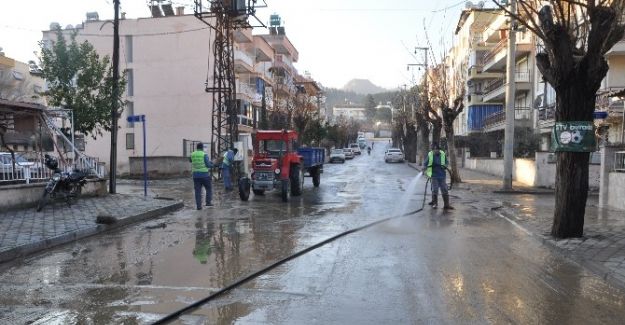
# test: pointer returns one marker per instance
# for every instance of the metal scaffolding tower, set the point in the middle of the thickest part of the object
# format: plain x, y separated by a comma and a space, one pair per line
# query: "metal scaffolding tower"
224, 17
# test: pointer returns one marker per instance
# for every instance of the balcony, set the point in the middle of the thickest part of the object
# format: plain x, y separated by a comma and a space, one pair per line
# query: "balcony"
243, 63
476, 72
495, 90
242, 35
282, 63
546, 116
495, 60
497, 121
245, 91
263, 71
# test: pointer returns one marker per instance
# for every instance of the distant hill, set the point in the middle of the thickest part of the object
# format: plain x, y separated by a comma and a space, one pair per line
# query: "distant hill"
363, 86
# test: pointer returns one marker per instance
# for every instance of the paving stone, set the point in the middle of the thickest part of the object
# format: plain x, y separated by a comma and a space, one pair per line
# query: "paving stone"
28, 227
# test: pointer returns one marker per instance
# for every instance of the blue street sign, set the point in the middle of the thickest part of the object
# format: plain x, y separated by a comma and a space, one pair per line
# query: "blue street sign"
136, 118
141, 118
598, 115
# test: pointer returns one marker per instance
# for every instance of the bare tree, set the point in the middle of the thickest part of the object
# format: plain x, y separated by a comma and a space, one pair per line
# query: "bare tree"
576, 35
447, 93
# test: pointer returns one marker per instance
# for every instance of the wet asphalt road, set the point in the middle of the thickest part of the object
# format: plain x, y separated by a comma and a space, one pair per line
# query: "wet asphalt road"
461, 267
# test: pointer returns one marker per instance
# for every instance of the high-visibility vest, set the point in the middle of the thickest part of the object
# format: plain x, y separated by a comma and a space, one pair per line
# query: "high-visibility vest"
197, 162
226, 160
428, 171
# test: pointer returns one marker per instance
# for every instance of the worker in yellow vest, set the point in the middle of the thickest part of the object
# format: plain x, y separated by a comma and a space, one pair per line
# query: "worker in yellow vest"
435, 165
200, 167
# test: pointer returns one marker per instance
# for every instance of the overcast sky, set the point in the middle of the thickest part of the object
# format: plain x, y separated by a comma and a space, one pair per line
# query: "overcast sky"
337, 40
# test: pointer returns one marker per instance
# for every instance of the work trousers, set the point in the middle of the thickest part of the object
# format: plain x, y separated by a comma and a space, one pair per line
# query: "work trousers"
439, 183
226, 173
198, 183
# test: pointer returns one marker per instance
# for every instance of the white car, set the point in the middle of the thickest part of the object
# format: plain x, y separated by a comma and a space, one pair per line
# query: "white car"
393, 155
349, 153
337, 155
355, 148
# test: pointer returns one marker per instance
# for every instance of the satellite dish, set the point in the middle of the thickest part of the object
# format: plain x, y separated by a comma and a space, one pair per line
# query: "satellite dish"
468, 5
480, 4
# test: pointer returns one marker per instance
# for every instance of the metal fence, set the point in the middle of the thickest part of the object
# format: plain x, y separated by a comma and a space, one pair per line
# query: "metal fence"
619, 161
26, 171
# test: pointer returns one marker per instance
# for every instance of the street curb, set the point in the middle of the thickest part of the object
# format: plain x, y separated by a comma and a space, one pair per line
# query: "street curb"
593, 267
35, 247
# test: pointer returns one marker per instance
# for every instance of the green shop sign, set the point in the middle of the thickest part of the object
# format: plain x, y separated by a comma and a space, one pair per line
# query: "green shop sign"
575, 136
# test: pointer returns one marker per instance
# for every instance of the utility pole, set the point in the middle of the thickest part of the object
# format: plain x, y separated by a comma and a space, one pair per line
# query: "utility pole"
425, 84
508, 148
114, 109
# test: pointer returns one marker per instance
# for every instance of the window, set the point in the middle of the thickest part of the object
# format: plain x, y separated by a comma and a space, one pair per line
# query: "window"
130, 79
130, 141
130, 110
129, 48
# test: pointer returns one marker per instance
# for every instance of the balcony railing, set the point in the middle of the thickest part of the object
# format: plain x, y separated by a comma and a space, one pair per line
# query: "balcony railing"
520, 76
244, 120
547, 113
242, 56
493, 85
490, 55
520, 114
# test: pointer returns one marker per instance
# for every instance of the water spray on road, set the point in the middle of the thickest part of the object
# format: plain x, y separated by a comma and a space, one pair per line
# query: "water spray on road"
403, 207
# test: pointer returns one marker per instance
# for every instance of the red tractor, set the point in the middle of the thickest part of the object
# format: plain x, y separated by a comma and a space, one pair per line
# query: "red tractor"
279, 164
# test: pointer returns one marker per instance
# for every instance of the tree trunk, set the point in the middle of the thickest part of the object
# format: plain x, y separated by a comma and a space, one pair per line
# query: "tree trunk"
436, 132
574, 103
451, 154
410, 144
424, 140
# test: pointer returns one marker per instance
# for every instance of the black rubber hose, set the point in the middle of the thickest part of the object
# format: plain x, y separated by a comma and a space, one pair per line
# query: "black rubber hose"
256, 274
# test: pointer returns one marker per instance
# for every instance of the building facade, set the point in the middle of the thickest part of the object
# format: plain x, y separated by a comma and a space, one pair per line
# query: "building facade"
168, 62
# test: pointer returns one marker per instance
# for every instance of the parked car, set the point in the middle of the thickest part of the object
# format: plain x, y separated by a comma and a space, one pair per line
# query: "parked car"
393, 155
6, 166
337, 155
355, 148
349, 153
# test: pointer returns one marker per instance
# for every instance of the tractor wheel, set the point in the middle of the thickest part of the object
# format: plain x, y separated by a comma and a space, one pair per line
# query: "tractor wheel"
316, 177
286, 191
297, 180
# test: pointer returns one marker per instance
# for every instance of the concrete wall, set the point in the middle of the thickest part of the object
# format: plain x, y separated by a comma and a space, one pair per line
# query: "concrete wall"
538, 173
28, 195
617, 191
164, 166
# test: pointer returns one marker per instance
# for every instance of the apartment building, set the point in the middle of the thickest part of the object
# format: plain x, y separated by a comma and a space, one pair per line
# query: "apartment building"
165, 60
481, 41
168, 60
480, 54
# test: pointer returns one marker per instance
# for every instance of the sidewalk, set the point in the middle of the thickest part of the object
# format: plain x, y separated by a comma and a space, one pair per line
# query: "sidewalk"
601, 250
26, 231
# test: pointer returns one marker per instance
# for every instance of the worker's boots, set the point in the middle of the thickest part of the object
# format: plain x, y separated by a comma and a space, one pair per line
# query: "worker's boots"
447, 206
434, 202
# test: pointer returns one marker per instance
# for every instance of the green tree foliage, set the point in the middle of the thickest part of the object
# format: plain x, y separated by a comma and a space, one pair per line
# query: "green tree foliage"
384, 115
80, 80
370, 110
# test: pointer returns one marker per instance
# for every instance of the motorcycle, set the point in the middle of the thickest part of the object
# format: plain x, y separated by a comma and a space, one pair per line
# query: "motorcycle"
66, 185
